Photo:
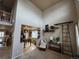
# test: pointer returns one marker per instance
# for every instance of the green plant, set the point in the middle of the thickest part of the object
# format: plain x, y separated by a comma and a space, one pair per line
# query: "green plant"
33, 40
57, 39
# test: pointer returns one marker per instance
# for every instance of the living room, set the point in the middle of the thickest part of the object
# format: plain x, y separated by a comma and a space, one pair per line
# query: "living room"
50, 17
63, 11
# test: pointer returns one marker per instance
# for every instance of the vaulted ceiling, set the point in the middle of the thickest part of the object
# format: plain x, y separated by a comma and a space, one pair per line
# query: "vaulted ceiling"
41, 4
44, 4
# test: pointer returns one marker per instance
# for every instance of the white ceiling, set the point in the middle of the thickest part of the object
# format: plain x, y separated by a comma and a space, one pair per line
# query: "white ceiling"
44, 4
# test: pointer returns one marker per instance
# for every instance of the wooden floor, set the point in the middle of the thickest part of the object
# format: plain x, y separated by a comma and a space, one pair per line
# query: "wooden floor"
34, 53
31, 52
5, 52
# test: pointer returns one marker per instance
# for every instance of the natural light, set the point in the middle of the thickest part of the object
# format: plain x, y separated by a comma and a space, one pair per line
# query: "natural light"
1, 36
34, 34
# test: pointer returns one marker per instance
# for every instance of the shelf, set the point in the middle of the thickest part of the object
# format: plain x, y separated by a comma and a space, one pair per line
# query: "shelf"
49, 31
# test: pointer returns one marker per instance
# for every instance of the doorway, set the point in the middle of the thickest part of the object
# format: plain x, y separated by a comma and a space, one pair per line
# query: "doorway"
29, 36
5, 41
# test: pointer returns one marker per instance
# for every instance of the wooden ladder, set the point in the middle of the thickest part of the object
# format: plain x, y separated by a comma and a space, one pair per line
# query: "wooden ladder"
66, 40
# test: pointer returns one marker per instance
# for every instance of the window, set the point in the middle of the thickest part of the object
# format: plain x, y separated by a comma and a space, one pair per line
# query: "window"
34, 34
1, 34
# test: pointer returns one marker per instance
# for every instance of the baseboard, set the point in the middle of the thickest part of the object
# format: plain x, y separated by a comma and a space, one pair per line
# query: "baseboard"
16, 56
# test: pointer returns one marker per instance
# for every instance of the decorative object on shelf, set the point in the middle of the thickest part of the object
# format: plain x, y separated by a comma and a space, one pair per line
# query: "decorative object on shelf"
51, 38
52, 27
49, 29
38, 33
57, 39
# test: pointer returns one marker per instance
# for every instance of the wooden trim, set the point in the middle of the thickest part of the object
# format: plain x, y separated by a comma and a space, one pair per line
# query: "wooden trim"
64, 23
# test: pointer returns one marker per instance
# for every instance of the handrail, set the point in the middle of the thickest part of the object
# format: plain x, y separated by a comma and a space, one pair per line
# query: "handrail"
5, 16
5, 12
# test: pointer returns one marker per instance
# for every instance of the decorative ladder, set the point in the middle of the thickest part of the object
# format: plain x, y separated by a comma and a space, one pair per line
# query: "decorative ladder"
66, 40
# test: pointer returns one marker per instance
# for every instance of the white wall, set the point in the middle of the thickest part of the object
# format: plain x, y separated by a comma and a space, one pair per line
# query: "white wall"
56, 33
61, 12
29, 14
26, 14
77, 5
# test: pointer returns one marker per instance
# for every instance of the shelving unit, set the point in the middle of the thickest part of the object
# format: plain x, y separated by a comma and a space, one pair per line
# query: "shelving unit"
50, 30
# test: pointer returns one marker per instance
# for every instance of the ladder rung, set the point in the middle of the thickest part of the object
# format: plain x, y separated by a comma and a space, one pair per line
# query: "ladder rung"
65, 28
68, 51
69, 47
66, 40
65, 37
66, 33
66, 45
